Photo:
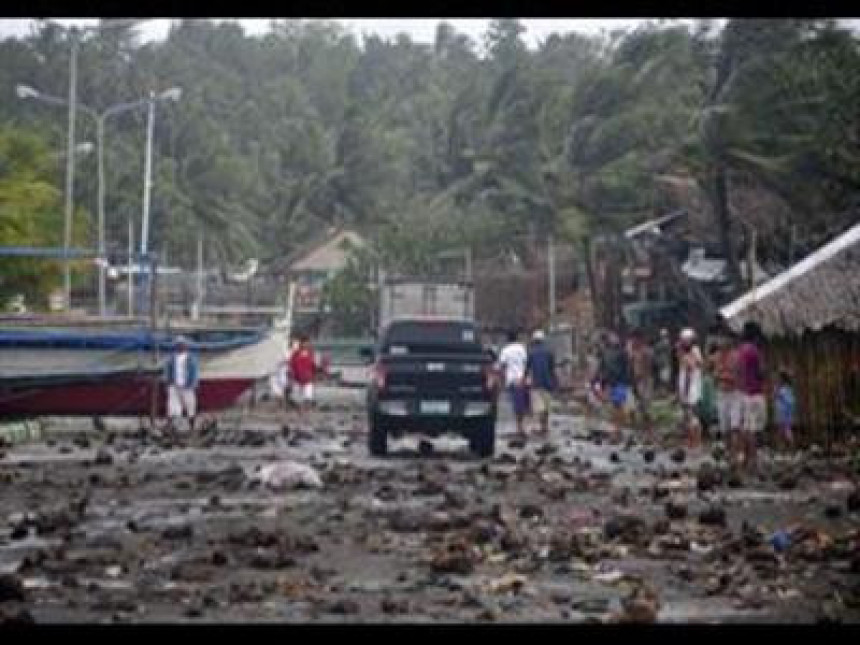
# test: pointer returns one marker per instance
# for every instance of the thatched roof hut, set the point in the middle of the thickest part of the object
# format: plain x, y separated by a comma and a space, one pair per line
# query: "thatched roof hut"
810, 317
821, 291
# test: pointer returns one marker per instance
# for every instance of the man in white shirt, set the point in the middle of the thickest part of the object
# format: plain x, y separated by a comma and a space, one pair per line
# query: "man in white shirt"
182, 379
512, 360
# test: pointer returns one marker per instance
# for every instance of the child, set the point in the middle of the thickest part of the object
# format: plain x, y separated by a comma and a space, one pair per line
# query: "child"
784, 405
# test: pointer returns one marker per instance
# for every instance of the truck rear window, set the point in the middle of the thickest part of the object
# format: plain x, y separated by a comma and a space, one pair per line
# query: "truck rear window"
421, 337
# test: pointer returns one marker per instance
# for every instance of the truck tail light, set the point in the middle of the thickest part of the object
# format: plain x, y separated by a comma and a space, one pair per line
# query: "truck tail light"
378, 375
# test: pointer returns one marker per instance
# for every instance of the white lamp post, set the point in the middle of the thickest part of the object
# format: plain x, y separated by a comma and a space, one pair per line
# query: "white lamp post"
26, 92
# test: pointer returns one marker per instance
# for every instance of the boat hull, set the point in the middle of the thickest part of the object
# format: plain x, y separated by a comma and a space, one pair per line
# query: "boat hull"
132, 395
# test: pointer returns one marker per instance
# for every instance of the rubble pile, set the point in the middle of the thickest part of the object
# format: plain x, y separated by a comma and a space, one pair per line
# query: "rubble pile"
293, 521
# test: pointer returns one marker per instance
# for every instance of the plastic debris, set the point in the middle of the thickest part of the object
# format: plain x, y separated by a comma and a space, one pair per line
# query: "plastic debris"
289, 474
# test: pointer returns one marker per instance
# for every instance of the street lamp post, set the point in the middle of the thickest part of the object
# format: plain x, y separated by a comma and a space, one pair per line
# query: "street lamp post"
70, 172
25, 92
75, 33
172, 94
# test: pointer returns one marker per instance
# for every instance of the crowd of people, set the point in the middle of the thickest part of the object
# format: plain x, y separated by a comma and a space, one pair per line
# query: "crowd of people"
721, 393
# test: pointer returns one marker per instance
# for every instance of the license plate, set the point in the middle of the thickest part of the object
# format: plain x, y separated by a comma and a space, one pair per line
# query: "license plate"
435, 407
435, 367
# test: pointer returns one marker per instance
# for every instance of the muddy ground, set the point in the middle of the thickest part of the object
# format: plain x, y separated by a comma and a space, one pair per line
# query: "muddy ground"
114, 525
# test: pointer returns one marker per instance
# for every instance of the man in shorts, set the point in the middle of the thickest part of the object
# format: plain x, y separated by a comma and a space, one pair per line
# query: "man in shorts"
751, 384
642, 362
512, 360
617, 375
690, 364
303, 368
183, 373
540, 374
724, 367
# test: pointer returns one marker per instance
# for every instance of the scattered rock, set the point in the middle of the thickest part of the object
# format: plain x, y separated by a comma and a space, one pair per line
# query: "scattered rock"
545, 450
452, 499
389, 605
751, 536
517, 443
641, 606
20, 617
832, 511
81, 441
713, 516
425, 448
788, 482
103, 457
708, 477
627, 527
455, 557
428, 488
180, 532
561, 597
20, 532
11, 589
386, 493
675, 510
531, 512
218, 559
648, 455
854, 501
614, 458
679, 455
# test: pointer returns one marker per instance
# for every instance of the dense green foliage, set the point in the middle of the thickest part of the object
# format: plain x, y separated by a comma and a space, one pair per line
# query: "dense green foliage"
425, 147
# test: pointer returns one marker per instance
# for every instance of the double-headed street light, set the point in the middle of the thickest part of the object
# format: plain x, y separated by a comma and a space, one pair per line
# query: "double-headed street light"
26, 92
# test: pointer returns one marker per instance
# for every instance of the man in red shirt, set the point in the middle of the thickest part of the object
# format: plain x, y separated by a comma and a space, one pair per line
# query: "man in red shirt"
303, 368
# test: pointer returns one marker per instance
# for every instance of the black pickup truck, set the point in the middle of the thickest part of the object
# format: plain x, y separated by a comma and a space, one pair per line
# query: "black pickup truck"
432, 376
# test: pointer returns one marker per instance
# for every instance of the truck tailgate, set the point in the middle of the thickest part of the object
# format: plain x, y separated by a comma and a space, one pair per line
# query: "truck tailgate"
436, 374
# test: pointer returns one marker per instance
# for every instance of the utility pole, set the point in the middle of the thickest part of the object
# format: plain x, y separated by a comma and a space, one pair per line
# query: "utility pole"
199, 306
751, 260
147, 176
70, 169
467, 254
130, 267
100, 130
551, 272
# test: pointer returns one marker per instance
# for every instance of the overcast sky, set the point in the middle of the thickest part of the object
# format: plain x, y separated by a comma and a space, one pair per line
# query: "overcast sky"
420, 29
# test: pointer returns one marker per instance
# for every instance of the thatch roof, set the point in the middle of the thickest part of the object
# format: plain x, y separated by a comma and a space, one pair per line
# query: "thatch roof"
823, 290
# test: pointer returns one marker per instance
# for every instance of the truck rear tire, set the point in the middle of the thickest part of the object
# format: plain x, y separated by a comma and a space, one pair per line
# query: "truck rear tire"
377, 437
482, 440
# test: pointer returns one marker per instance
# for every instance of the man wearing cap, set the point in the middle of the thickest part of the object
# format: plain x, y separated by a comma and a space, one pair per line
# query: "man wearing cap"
540, 373
182, 377
690, 363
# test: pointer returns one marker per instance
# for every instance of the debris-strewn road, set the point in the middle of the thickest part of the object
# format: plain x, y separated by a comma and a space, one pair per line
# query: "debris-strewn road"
114, 526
